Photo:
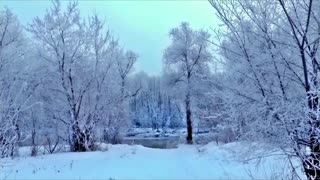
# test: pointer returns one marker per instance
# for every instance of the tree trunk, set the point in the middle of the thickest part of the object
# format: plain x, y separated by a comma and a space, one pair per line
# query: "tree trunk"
14, 144
77, 139
312, 164
189, 121
188, 109
34, 150
122, 88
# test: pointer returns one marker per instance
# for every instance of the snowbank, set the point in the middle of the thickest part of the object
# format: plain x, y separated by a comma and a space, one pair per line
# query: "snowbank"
137, 162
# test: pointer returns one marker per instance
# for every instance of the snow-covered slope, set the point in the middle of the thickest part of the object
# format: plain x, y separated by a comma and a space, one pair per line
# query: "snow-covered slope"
137, 162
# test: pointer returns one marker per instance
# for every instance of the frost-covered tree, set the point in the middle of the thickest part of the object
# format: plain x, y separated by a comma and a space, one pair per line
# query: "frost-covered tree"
65, 44
186, 59
270, 52
118, 121
16, 89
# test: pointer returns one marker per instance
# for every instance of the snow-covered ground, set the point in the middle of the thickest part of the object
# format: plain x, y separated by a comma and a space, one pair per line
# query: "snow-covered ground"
137, 162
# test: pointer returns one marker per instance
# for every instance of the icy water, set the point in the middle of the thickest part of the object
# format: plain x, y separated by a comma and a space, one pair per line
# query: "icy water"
154, 142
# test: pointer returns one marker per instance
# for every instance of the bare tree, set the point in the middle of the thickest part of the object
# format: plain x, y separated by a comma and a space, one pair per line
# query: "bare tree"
14, 92
125, 64
186, 57
273, 48
63, 35
302, 30
119, 120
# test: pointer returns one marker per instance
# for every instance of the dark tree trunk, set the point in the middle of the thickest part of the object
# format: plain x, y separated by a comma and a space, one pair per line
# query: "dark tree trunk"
189, 120
14, 145
188, 110
79, 140
122, 88
312, 164
34, 150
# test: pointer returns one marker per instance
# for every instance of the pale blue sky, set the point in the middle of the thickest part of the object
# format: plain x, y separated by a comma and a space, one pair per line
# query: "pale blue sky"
141, 25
